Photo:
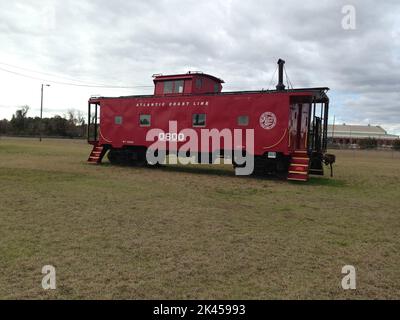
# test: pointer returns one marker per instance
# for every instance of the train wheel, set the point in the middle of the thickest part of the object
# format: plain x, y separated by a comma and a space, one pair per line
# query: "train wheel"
235, 165
282, 167
160, 159
141, 160
260, 166
114, 156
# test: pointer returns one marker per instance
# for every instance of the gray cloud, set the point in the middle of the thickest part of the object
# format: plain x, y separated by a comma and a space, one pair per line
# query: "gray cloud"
125, 42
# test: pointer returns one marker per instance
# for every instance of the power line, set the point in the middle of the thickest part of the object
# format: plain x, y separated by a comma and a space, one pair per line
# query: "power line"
73, 84
85, 83
50, 74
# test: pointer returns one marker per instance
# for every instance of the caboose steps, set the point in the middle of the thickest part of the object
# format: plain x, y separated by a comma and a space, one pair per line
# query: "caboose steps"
299, 166
97, 154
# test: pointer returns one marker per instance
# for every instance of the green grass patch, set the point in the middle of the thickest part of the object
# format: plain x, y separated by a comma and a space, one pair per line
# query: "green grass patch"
196, 232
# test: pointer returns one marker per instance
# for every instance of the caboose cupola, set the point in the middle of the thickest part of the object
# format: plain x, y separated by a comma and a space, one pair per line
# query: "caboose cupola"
189, 83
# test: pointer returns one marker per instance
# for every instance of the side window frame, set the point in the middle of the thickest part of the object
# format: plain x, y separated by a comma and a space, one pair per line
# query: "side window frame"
199, 83
148, 119
170, 90
242, 124
199, 125
118, 120
176, 86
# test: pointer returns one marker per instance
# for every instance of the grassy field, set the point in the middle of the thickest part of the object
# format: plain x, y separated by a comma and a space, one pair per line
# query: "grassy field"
194, 232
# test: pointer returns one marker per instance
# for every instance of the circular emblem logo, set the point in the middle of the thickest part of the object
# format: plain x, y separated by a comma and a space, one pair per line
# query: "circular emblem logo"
268, 120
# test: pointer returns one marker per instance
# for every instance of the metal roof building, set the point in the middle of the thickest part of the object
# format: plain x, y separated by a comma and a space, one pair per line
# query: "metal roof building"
358, 132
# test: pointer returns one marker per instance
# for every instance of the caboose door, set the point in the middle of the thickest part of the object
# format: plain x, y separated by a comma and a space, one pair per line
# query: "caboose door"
303, 127
298, 126
93, 122
294, 110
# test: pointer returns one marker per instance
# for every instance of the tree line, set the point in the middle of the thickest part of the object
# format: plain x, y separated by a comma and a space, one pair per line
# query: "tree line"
71, 125
372, 143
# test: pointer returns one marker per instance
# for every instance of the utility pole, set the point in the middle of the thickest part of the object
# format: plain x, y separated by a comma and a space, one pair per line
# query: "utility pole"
41, 111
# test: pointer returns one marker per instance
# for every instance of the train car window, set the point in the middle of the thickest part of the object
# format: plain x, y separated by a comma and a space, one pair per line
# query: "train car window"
243, 121
199, 120
216, 87
118, 120
145, 120
199, 83
178, 86
168, 86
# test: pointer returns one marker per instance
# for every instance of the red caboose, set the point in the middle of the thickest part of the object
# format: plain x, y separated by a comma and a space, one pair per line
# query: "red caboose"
289, 126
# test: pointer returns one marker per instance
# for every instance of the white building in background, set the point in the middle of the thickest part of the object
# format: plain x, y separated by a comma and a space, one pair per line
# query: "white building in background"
345, 134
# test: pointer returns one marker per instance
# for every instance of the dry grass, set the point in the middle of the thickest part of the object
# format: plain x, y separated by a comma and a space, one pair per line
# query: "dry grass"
198, 232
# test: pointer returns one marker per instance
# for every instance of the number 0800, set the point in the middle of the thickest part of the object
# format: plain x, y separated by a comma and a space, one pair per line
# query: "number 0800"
171, 136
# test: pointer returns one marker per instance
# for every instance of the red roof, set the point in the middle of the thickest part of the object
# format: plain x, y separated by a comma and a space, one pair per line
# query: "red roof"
189, 75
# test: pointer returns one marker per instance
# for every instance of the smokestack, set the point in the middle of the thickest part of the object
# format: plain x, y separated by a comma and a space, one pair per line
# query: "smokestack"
280, 86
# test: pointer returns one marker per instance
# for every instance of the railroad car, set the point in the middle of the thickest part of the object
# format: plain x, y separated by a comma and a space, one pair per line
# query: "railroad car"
289, 126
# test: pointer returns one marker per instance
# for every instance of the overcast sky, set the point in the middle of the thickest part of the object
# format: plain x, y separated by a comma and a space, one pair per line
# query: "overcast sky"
123, 43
